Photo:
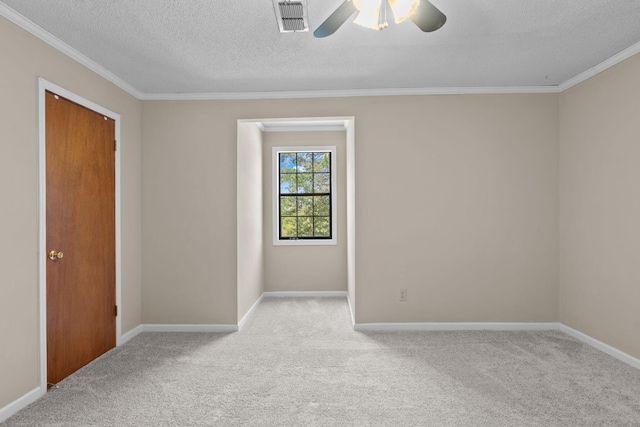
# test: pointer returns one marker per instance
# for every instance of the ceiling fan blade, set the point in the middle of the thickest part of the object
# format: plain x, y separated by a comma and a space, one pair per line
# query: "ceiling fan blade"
428, 17
335, 20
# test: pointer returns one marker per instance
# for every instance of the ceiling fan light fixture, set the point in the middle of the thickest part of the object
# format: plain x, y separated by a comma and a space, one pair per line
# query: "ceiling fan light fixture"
373, 14
368, 13
402, 9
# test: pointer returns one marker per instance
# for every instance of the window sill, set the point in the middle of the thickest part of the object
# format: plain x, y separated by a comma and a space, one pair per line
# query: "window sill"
304, 242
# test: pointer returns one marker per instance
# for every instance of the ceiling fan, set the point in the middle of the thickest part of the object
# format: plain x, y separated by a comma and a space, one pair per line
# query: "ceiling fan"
373, 14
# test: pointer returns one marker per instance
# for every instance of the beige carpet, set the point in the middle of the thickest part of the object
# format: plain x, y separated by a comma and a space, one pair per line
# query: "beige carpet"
297, 362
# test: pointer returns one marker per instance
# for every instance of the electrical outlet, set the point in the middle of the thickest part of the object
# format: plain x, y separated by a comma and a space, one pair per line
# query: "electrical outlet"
403, 295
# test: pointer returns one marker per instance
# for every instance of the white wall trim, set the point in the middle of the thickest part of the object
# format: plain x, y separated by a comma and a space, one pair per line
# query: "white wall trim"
457, 326
188, 328
503, 326
44, 85
154, 327
353, 320
605, 348
19, 404
128, 336
604, 65
157, 327
72, 53
249, 313
305, 294
302, 125
349, 93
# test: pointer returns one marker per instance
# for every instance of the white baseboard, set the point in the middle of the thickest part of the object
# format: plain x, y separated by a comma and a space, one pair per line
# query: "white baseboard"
225, 328
500, 326
249, 313
456, 326
153, 327
605, 348
302, 294
175, 328
128, 336
189, 328
20, 403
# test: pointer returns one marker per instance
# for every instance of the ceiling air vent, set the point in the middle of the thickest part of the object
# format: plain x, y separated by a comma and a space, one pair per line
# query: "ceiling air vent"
291, 15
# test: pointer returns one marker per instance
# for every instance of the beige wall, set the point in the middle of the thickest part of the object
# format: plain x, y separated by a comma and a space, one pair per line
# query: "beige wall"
250, 217
456, 201
600, 207
305, 268
189, 237
24, 59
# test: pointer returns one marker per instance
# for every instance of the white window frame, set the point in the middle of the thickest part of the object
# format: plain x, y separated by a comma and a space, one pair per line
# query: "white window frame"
275, 190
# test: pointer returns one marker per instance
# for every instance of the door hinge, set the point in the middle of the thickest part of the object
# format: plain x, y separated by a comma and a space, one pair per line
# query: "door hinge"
115, 145
116, 311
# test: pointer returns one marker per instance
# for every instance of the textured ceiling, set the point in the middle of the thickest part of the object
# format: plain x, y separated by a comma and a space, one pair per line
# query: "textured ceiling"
234, 46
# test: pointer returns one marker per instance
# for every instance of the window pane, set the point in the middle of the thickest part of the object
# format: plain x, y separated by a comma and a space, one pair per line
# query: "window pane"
321, 226
321, 162
321, 183
321, 206
304, 162
289, 227
287, 183
305, 183
288, 206
305, 206
287, 162
303, 212
305, 227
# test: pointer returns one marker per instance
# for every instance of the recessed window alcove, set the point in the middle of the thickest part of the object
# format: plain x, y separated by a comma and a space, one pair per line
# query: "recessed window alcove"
253, 204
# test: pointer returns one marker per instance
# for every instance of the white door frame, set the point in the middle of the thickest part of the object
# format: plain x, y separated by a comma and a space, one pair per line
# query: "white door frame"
44, 85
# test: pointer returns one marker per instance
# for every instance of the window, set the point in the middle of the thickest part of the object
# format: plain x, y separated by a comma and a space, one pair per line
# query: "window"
304, 196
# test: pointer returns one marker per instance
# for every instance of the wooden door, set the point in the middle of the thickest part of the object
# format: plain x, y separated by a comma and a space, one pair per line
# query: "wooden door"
80, 187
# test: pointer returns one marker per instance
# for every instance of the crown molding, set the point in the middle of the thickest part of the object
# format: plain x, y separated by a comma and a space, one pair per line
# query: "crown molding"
604, 65
58, 44
348, 93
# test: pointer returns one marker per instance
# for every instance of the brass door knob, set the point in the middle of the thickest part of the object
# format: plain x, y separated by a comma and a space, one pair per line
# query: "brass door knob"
54, 255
